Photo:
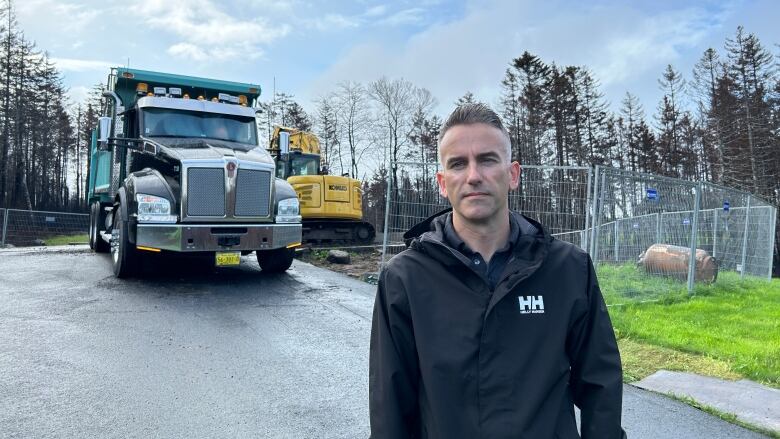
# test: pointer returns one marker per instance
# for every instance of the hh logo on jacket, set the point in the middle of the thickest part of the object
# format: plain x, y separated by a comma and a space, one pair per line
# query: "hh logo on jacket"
531, 304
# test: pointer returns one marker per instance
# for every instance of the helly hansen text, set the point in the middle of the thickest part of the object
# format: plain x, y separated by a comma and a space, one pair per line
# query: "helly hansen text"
531, 304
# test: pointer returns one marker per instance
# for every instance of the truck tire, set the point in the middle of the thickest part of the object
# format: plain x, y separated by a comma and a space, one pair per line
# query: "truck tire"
124, 256
97, 220
276, 260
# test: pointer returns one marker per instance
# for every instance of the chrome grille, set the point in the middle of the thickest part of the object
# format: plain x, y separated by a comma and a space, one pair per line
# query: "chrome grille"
253, 193
205, 192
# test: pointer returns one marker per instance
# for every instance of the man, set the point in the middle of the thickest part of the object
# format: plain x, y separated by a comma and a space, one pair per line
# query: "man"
487, 327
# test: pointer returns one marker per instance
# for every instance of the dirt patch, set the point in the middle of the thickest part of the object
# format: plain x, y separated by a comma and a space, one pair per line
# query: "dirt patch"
364, 263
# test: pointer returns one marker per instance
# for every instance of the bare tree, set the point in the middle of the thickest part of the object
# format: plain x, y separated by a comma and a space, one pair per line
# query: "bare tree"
352, 109
394, 99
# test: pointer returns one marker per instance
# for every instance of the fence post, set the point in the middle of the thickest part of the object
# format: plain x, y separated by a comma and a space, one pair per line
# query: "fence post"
715, 233
387, 215
745, 239
694, 235
617, 258
772, 242
597, 221
658, 228
594, 213
585, 241
5, 226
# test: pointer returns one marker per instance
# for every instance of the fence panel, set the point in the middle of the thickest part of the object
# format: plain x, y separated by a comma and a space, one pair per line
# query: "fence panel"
633, 212
556, 196
30, 227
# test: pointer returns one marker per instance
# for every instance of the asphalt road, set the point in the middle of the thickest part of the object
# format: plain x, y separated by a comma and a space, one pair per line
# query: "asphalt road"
189, 352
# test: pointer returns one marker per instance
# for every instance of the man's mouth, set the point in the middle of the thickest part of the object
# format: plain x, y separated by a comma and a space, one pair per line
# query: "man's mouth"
474, 194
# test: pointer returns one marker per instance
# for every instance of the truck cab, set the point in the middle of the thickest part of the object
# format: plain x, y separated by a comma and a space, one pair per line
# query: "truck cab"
176, 166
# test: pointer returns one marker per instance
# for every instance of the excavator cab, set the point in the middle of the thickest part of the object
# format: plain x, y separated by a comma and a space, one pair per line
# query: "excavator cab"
295, 164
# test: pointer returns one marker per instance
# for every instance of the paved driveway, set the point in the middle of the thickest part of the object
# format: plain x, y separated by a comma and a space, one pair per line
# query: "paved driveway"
235, 353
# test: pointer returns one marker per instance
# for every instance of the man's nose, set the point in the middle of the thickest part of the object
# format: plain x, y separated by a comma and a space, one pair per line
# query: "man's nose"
473, 174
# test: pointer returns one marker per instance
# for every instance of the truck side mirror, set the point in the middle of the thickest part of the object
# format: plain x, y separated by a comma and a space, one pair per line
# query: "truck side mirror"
284, 142
104, 129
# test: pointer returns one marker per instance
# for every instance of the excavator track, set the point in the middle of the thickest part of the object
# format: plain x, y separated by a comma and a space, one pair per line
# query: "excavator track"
338, 231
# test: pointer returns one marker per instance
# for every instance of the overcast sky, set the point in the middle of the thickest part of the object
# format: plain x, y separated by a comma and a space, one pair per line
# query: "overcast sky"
449, 47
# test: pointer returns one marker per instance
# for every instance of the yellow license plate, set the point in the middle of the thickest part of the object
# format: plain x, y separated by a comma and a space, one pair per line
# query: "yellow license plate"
228, 258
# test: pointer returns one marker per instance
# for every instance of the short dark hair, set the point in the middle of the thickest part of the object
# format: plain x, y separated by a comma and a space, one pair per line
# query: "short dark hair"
472, 113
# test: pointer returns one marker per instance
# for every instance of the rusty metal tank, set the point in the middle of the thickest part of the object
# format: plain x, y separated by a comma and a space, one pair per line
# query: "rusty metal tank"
672, 261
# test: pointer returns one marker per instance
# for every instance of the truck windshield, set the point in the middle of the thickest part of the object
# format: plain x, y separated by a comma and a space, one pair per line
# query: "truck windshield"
161, 122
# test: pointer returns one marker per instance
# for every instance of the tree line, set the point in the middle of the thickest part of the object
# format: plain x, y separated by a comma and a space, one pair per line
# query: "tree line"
39, 131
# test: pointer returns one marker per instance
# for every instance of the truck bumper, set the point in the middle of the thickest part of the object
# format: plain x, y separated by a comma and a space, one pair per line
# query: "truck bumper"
209, 237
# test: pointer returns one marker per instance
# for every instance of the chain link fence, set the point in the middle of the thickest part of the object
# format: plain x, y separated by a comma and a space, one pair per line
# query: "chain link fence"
557, 196
30, 227
646, 234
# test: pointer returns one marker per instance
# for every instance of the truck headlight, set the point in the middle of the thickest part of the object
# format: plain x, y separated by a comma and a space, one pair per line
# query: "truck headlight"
287, 211
152, 209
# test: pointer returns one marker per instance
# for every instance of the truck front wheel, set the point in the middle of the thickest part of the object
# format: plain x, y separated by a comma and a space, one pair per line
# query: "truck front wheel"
123, 253
275, 261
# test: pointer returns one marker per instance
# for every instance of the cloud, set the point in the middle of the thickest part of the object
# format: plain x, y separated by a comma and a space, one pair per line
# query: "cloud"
71, 18
81, 65
329, 22
215, 35
407, 16
187, 50
618, 43
376, 11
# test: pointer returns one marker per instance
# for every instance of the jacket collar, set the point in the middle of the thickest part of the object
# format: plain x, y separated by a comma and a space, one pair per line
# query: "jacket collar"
528, 250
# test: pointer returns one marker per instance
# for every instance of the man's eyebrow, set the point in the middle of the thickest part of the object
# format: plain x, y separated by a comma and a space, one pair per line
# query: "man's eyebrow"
489, 154
450, 160
484, 155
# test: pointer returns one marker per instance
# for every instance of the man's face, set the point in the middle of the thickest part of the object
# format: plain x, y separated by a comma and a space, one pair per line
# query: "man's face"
476, 175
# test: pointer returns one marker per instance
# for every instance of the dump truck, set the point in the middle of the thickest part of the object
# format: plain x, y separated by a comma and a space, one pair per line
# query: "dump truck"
176, 167
331, 206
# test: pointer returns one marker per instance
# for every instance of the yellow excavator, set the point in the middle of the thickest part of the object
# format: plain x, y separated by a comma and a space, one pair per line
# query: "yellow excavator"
331, 206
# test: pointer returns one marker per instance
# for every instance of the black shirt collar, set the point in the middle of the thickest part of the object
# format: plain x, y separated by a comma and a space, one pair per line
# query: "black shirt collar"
452, 239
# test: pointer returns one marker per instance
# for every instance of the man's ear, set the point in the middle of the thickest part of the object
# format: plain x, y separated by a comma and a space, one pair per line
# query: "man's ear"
442, 184
514, 175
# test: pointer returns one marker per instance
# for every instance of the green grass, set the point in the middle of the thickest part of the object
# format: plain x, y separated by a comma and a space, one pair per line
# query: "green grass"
641, 359
67, 239
727, 329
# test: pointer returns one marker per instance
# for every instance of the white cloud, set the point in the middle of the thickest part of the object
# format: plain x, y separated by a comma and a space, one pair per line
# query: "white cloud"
78, 94
81, 65
71, 17
211, 35
618, 43
407, 16
329, 22
376, 11
187, 50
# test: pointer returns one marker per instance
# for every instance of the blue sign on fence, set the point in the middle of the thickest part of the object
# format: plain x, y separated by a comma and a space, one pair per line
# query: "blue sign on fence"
652, 194
726, 206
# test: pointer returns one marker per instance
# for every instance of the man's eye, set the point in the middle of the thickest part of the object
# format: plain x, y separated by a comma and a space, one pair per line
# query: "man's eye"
456, 165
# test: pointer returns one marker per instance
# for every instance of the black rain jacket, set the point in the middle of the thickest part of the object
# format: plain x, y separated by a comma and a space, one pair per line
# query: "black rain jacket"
451, 359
